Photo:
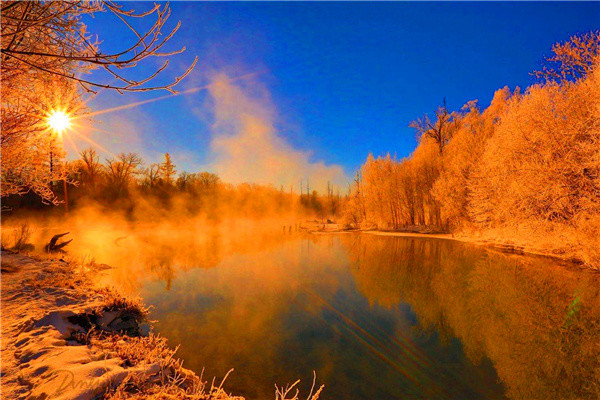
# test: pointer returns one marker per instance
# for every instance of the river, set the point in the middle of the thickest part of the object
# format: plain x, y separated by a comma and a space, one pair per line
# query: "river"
375, 317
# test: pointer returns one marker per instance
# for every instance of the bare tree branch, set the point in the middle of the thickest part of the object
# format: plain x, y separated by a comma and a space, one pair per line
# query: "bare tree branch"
45, 52
67, 49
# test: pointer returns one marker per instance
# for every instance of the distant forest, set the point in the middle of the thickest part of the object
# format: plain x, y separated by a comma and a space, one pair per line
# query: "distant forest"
123, 183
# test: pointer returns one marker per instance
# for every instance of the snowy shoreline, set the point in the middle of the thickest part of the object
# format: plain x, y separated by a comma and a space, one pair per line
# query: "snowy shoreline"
65, 338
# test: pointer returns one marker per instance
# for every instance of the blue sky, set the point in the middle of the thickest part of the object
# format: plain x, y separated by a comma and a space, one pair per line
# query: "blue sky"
343, 78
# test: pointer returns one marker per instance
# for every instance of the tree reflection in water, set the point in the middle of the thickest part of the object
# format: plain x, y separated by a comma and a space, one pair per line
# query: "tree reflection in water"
537, 321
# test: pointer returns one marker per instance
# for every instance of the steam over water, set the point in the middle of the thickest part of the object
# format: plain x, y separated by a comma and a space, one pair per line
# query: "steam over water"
375, 317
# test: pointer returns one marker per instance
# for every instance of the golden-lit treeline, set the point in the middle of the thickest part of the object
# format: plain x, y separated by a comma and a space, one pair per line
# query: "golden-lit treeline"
526, 168
431, 187
150, 192
537, 324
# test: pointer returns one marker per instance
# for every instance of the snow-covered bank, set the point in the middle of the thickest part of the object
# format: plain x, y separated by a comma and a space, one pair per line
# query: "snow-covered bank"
502, 245
64, 338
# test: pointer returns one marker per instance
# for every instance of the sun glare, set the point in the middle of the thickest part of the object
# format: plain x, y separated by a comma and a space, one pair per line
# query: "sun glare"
58, 121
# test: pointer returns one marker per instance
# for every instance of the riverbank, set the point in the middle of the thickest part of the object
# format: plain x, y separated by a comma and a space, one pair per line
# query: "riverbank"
501, 245
563, 251
65, 338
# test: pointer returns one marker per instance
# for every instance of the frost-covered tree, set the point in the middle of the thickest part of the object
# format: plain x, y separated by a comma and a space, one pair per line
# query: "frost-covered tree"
121, 173
167, 171
152, 176
46, 51
573, 59
90, 168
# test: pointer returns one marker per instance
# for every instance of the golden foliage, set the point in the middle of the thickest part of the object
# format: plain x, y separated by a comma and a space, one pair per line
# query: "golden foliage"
573, 59
528, 165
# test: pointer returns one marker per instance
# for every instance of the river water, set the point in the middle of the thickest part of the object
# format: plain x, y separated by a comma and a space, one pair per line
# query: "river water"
375, 317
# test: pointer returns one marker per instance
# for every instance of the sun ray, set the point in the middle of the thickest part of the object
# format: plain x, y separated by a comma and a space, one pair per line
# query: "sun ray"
168, 96
414, 364
73, 144
93, 143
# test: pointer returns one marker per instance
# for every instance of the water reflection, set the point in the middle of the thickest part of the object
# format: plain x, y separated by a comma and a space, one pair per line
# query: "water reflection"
376, 317
538, 322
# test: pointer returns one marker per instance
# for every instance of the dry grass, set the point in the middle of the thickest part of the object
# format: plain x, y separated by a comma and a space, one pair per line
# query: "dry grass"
113, 301
291, 392
18, 238
168, 379
164, 377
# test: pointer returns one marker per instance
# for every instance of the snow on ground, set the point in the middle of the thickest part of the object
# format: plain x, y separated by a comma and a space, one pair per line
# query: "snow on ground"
40, 358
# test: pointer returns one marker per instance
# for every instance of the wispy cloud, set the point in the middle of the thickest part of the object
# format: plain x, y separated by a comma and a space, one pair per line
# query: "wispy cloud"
247, 147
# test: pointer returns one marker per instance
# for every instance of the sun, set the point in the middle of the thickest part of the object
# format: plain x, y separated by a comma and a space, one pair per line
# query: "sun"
58, 121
